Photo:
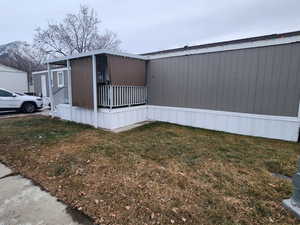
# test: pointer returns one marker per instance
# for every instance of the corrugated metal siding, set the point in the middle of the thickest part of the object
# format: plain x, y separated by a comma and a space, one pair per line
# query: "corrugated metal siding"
258, 81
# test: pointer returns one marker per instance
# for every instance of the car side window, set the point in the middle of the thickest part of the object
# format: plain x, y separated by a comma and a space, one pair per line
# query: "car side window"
5, 94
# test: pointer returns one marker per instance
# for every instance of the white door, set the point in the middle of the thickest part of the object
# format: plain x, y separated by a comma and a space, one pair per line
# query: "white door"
46, 99
44, 85
8, 100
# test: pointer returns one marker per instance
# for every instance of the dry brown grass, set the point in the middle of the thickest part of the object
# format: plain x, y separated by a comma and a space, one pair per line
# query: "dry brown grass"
156, 174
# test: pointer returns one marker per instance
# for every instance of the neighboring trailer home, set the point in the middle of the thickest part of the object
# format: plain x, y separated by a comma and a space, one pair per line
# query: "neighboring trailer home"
13, 80
248, 86
59, 84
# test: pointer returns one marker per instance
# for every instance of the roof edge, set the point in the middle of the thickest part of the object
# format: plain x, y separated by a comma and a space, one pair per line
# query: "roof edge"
223, 43
16, 70
97, 52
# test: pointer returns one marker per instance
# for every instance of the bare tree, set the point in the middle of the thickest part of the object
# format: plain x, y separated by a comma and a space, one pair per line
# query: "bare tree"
77, 33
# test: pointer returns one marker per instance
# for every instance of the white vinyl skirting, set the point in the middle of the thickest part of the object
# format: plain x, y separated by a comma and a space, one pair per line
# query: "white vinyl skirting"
276, 127
107, 118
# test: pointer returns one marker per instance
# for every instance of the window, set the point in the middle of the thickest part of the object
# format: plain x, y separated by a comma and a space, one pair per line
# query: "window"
5, 94
60, 79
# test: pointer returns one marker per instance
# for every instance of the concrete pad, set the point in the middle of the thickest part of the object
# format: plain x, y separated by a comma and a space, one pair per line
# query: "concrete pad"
45, 112
130, 127
4, 171
14, 114
21, 202
288, 204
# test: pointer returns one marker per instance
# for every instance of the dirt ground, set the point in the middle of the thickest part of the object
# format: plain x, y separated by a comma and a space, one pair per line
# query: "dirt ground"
155, 174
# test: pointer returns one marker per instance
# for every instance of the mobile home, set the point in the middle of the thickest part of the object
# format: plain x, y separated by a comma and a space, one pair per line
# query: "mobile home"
248, 86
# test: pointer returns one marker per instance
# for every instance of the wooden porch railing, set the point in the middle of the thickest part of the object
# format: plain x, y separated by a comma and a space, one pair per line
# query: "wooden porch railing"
117, 96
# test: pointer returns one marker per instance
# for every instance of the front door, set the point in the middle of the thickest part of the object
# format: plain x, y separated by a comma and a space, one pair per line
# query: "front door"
44, 90
44, 85
8, 100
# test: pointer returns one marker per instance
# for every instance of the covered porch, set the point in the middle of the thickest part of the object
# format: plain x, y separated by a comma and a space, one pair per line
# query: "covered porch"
101, 83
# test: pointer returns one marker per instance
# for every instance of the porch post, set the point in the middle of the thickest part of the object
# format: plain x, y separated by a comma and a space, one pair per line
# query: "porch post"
70, 88
95, 92
50, 90
111, 97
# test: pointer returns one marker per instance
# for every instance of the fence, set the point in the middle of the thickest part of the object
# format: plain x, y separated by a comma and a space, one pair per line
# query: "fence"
116, 96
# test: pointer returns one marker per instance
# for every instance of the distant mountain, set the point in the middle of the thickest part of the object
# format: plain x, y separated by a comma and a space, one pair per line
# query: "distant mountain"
22, 48
20, 54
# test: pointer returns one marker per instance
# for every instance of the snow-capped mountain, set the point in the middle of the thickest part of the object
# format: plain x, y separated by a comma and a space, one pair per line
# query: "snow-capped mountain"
19, 54
21, 48
16, 51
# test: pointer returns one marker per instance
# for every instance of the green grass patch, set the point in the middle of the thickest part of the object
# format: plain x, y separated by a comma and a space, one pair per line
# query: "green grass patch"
38, 130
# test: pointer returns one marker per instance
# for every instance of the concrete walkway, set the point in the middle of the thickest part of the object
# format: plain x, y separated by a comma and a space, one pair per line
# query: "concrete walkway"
21, 202
14, 114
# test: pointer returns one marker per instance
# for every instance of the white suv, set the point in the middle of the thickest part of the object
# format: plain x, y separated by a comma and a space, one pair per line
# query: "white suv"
15, 101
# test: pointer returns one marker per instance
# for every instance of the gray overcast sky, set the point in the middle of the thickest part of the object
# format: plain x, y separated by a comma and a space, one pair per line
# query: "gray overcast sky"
152, 25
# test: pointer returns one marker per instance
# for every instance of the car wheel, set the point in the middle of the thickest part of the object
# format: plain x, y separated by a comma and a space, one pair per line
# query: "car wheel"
29, 107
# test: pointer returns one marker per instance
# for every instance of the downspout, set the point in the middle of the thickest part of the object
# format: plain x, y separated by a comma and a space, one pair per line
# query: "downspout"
95, 92
50, 90
70, 88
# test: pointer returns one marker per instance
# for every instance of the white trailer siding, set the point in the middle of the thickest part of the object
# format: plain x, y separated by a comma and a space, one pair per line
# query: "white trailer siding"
13, 79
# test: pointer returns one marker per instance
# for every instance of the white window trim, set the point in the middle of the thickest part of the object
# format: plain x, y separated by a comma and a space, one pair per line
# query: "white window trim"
62, 84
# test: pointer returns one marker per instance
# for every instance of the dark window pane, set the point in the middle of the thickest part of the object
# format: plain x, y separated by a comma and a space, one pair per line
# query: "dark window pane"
5, 93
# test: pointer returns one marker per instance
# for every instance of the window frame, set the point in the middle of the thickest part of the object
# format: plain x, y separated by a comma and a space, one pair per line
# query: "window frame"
60, 82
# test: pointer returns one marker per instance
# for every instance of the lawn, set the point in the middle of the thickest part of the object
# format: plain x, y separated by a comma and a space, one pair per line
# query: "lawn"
155, 174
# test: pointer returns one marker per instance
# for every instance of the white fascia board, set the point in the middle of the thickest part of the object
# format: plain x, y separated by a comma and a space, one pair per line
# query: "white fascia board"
39, 72
52, 70
237, 46
129, 55
60, 69
98, 52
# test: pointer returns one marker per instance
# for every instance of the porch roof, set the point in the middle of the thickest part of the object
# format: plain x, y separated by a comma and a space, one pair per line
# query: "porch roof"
96, 52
